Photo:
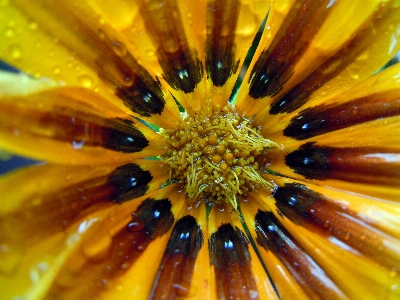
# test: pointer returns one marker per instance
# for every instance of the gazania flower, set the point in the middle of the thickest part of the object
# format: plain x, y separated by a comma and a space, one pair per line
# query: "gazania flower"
156, 186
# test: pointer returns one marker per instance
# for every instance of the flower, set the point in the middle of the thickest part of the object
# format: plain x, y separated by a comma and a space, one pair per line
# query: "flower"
156, 187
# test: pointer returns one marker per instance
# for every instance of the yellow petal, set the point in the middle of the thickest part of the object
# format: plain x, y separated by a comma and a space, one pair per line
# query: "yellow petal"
88, 54
343, 52
61, 125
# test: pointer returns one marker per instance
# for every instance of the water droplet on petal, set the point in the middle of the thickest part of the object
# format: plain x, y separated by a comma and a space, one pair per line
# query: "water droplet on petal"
135, 226
15, 52
85, 80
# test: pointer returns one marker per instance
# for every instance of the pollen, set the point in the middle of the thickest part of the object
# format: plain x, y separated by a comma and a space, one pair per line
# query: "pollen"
214, 154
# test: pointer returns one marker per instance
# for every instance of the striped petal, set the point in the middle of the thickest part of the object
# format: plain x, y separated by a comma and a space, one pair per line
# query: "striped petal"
96, 55
337, 57
64, 127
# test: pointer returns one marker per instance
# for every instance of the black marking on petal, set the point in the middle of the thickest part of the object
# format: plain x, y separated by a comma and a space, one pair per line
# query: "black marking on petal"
123, 136
222, 19
322, 119
275, 65
319, 214
230, 255
176, 268
355, 164
152, 218
309, 161
144, 96
272, 236
333, 66
129, 181
181, 66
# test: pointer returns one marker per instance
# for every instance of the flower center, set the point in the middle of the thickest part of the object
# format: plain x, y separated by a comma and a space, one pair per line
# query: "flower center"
215, 154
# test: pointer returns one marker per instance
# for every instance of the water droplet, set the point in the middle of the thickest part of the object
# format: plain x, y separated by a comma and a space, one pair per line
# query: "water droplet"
56, 70
393, 273
15, 51
97, 248
125, 266
180, 290
9, 32
33, 26
119, 48
36, 273
135, 226
10, 257
327, 224
85, 80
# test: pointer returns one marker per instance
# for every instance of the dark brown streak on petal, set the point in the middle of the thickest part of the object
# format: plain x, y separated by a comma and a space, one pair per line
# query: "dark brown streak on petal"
275, 65
176, 268
347, 54
180, 64
109, 57
230, 255
144, 96
272, 236
316, 213
221, 21
78, 128
355, 164
58, 210
322, 119
152, 219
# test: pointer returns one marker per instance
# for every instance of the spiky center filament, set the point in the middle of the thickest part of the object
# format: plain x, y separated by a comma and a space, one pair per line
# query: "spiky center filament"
214, 154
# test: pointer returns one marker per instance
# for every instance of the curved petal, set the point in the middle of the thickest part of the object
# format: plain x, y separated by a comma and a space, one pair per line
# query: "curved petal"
342, 241
292, 270
97, 249
66, 128
370, 101
104, 60
238, 272
336, 59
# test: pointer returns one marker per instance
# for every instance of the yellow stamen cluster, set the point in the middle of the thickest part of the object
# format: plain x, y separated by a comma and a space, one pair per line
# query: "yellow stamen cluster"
214, 154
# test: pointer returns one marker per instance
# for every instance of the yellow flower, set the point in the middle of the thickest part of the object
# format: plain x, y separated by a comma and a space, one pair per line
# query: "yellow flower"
156, 187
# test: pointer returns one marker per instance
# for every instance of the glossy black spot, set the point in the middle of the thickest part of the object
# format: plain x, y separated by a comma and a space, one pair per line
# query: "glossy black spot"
332, 66
294, 200
186, 237
309, 161
177, 264
129, 181
228, 245
273, 236
123, 136
372, 165
275, 65
222, 19
152, 218
322, 119
181, 66
228, 248
144, 96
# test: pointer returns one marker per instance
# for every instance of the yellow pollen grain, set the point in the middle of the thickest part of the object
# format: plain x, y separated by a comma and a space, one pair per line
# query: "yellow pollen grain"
213, 154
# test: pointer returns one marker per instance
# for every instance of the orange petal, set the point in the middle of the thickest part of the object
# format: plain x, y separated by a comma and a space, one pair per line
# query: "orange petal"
336, 56
65, 128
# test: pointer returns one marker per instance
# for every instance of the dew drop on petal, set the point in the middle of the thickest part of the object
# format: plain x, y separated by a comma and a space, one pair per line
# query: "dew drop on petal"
9, 32
10, 257
15, 52
85, 80
98, 249
135, 226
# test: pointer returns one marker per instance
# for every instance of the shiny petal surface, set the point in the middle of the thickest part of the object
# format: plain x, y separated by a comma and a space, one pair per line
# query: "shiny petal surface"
336, 56
65, 128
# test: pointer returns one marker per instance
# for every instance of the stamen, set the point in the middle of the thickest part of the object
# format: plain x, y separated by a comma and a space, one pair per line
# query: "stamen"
214, 154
